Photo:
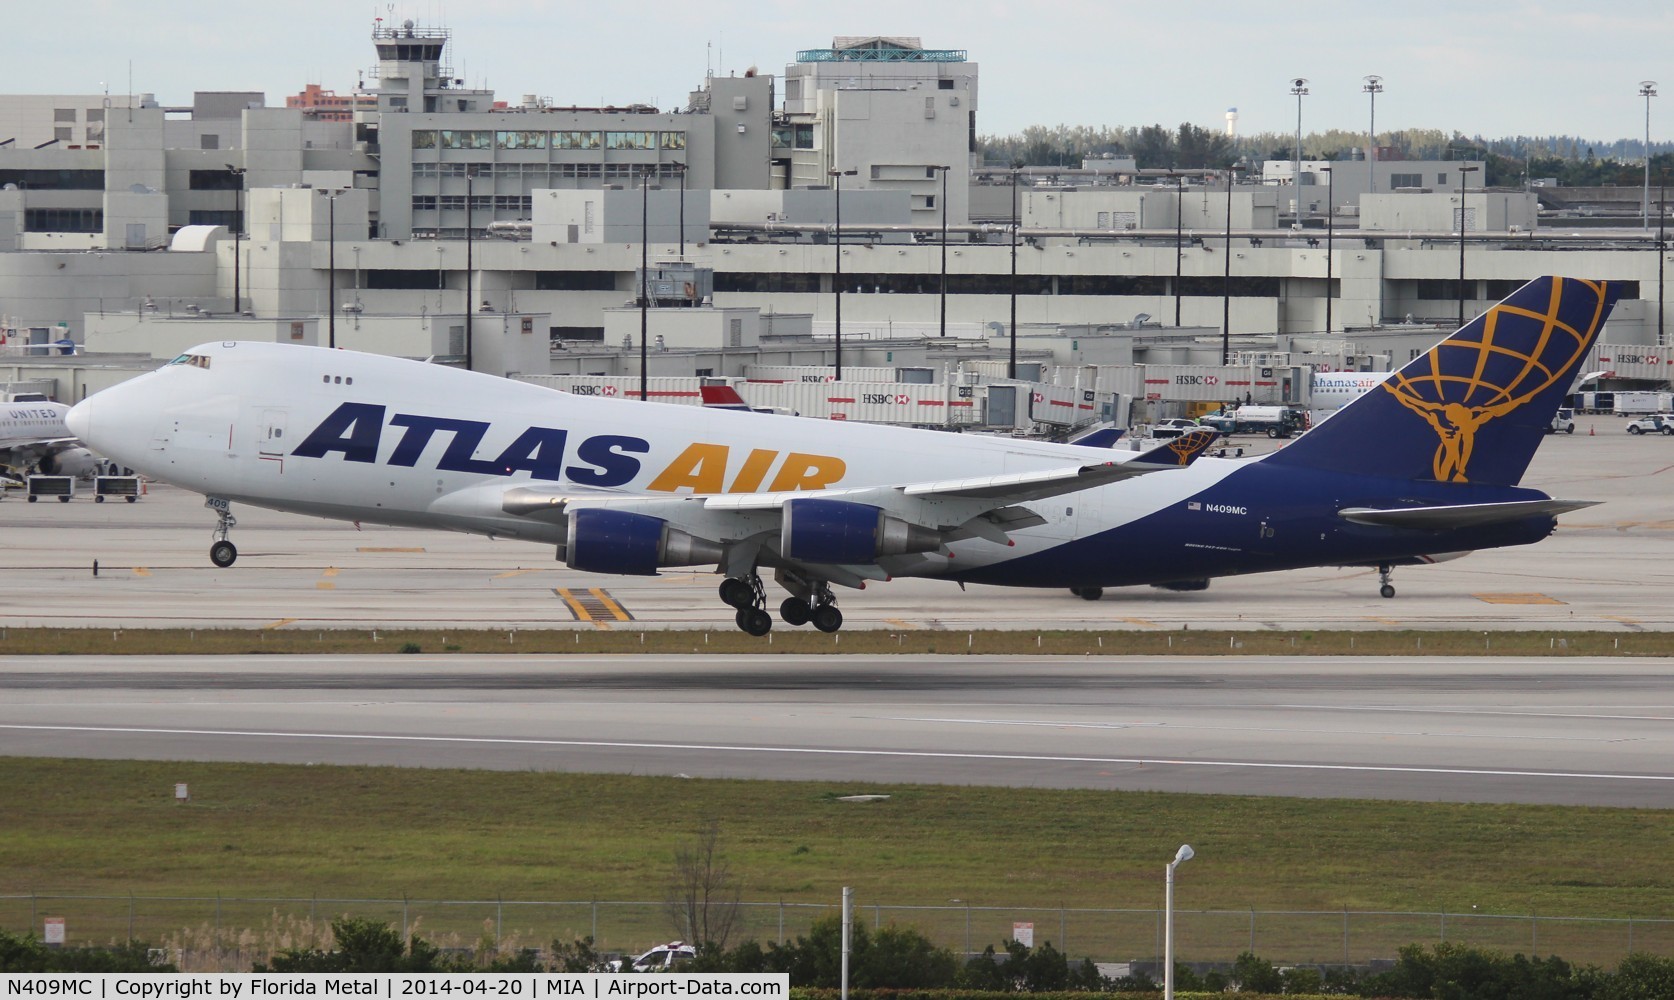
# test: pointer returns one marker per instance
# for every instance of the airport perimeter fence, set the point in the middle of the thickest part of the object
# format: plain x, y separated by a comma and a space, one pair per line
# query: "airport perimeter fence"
225, 933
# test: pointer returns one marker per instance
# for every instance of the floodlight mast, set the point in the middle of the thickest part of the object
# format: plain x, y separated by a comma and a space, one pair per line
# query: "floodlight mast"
1185, 853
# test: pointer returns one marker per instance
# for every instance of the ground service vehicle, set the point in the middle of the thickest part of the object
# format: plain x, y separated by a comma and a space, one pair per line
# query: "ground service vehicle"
1563, 422
1656, 423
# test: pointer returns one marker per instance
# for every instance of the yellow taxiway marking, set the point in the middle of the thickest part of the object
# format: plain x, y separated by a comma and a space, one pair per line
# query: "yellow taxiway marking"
386, 548
1516, 599
900, 623
1140, 621
595, 607
330, 571
610, 605
141, 571
281, 623
326, 584
512, 573
1386, 621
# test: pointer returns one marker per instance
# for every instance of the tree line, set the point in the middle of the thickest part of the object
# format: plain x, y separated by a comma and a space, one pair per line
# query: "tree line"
1572, 161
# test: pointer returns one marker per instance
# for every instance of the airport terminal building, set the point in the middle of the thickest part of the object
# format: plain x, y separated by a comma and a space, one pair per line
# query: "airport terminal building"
428, 219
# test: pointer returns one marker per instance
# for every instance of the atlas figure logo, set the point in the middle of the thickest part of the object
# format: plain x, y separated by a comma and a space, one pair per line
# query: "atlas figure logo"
355, 431
1468, 381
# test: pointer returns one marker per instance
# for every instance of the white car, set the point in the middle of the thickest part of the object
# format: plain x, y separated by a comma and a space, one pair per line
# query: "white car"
658, 959
1563, 422
1656, 423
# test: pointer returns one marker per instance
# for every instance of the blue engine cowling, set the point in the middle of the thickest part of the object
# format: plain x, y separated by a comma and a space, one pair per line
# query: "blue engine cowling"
614, 541
838, 531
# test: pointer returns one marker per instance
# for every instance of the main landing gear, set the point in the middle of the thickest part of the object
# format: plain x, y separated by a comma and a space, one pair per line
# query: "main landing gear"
1088, 593
1384, 573
223, 552
815, 604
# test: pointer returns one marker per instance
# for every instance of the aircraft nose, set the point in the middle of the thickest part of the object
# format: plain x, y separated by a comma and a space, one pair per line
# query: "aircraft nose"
80, 419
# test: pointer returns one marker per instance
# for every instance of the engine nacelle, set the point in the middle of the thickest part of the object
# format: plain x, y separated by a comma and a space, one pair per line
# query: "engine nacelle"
601, 540
78, 462
838, 531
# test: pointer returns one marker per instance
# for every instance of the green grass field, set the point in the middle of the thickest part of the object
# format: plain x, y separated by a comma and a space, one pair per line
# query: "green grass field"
112, 827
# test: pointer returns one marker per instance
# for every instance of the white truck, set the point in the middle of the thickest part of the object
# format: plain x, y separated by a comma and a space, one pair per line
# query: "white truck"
1274, 421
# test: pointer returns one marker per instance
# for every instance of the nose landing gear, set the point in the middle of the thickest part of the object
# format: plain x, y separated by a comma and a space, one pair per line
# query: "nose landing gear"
1386, 589
223, 552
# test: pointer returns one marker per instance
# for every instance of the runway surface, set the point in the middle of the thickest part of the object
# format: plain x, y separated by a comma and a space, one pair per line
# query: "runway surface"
1568, 731
1607, 567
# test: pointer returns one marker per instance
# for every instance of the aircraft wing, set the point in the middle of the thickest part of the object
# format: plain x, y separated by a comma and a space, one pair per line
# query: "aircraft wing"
939, 511
1460, 515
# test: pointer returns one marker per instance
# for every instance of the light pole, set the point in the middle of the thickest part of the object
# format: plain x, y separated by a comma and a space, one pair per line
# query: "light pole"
238, 229
943, 325
1464, 173
470, 294
1011, 363
1298, 87
1226, 277
644, 274
1179, 216
331, 268
1662, 247
1373, 87
837, 278
1330, 232
680, 168
1183, 854
1647, 90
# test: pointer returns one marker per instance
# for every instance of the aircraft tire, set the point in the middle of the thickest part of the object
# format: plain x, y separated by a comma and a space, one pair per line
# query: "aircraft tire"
735, 593
1088, 593
223, 553
827, 618
755, 621
795, 611
1387, 590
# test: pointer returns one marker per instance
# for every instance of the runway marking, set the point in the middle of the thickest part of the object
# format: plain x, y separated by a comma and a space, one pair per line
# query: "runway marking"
596, 607
1178, 728
326, 584
390, 548
1516, 599
900, 623
1144, 622
831, 752
511, 573
281, 623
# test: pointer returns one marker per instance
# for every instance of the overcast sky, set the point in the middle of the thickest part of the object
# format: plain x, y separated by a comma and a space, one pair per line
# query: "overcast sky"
1493, 67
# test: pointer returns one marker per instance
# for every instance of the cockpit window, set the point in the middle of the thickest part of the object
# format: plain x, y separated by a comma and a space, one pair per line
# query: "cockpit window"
195, 360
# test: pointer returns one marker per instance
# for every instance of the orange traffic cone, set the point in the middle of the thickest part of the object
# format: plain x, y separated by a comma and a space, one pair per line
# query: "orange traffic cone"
1592, 432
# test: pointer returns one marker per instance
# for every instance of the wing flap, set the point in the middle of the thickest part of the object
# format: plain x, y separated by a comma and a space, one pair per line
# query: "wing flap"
1460, 515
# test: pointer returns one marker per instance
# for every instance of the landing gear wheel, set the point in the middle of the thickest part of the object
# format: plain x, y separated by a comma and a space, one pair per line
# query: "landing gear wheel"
1088, 593
735, 593
755, 621
1387, 590
223, 553
827, 618
795, 611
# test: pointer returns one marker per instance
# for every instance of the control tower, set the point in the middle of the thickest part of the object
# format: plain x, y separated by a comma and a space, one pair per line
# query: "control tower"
411, 77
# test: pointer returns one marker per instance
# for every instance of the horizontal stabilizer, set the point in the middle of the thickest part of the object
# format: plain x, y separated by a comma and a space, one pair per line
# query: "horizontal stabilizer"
1460, 515
1104, 437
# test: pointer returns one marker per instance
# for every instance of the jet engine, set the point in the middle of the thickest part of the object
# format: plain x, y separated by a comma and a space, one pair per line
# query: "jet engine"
601, 540
78, 462
838, 531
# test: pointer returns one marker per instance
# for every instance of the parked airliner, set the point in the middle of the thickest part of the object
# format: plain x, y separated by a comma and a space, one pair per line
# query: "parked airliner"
1425, 466
33, 435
